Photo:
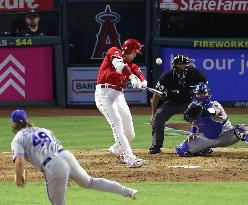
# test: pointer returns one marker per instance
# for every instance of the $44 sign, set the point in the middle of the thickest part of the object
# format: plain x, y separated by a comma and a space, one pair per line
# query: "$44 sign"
24, 42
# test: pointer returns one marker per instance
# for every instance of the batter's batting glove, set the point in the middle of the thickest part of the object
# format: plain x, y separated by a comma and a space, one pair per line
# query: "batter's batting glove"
136, 83
144, 84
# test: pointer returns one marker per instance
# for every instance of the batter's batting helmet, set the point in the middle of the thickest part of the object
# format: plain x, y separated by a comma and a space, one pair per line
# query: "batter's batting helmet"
131, 44
181, 59
19, 115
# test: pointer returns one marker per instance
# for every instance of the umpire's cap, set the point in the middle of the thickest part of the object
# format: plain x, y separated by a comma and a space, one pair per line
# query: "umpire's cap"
19, 115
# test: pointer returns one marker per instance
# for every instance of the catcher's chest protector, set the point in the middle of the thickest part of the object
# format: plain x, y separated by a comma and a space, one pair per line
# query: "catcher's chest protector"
210, 128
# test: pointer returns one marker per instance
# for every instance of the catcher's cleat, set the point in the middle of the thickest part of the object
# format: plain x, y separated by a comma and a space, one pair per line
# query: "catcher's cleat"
135, 163
133, 193
245, 138
120, 157
204, 152
154, 150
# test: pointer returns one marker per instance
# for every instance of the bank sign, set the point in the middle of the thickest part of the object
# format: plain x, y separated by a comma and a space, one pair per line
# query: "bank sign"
220, 6
81, 86
226, 70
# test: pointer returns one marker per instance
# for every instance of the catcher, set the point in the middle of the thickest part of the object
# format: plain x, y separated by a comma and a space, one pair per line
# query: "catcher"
44, 151
210, 126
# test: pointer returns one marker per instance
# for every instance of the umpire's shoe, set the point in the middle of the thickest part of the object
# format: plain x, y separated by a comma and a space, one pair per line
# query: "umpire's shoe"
154, 149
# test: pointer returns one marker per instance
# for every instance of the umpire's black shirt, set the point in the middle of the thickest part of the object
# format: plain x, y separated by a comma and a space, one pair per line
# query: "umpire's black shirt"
180, 91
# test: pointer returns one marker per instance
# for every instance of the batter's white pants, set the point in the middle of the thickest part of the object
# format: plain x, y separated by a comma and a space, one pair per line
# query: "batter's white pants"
113, 106
64, 166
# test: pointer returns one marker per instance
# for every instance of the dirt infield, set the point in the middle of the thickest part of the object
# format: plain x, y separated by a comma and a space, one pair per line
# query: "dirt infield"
225, 164
55, 111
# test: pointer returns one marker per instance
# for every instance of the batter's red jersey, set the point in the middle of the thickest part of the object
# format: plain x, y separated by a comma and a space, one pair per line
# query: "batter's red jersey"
108, 74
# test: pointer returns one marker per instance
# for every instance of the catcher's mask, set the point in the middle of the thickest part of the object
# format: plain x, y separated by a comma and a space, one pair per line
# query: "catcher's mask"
202, 93
131, 44
180, 65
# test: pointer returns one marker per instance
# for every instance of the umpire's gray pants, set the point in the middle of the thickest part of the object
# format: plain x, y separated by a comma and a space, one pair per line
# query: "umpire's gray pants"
164, 112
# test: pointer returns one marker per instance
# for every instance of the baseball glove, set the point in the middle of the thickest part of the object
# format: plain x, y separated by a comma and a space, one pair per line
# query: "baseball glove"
193, 112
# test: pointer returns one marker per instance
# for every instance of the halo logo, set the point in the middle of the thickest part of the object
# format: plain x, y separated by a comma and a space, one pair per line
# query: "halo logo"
168, 5
107, 36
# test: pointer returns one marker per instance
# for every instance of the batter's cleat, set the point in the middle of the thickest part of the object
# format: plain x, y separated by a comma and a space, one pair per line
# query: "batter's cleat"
154, 149
133, 193
134, 163
120, 157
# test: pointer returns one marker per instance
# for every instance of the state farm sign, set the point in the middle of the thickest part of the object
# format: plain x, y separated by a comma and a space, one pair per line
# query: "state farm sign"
221, 6
26, 5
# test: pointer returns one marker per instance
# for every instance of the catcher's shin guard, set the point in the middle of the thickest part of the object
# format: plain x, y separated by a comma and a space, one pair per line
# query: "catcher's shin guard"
182, 149
241, 132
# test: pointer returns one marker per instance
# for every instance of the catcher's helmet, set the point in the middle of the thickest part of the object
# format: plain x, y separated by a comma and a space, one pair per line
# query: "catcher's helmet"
19, 115
181, 59
201, 88
131, 44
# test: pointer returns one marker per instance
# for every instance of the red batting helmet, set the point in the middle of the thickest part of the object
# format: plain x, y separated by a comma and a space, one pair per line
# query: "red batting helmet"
131, 44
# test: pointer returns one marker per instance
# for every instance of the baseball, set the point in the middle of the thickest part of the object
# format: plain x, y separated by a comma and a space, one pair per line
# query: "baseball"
159, 61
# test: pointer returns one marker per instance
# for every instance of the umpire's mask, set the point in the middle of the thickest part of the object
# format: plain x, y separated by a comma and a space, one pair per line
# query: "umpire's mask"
180, 67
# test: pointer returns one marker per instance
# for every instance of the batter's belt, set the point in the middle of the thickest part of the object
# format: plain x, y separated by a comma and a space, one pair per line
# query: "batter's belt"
115, 87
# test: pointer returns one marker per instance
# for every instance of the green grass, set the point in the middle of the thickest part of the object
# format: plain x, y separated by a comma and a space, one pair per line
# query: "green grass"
224, 193
93, 132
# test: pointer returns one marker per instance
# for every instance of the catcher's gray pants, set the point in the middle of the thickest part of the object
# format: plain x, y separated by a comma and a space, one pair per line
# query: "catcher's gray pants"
201, 143
65, 166
163, 113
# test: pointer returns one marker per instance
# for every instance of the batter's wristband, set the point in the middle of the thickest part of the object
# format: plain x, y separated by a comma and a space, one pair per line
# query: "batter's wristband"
193, 130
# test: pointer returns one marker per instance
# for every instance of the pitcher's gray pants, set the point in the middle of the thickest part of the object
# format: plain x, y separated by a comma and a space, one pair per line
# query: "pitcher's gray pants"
65, 166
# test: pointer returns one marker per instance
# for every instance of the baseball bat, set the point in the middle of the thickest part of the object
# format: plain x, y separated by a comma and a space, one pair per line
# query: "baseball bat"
155, 91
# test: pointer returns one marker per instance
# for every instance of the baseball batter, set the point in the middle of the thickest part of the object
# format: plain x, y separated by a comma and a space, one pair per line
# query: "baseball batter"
116, 69
44, 151
213, 126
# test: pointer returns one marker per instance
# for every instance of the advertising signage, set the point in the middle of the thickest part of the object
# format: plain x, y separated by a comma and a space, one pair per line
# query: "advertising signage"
226, 70
26, 5
26, 74
81, 85
220, 6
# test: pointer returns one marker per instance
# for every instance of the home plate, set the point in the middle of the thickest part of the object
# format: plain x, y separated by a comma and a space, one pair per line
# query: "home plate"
185, 166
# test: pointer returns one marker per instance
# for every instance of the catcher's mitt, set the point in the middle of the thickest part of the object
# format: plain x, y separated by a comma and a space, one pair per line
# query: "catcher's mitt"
193, 112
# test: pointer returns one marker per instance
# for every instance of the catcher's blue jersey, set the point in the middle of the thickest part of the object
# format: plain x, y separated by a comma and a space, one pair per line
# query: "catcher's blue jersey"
213, 126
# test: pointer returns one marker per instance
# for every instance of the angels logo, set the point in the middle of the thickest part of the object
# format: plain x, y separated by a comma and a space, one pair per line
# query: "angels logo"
168, 5
107, 36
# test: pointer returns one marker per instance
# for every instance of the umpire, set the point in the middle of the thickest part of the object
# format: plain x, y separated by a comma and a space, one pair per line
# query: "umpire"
178, 84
